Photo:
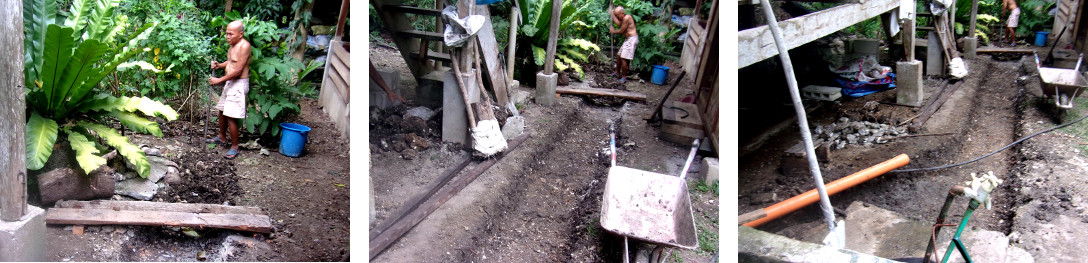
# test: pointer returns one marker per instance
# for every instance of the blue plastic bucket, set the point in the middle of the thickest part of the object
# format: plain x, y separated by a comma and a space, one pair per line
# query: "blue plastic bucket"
1040, 38
293, 139
660, 74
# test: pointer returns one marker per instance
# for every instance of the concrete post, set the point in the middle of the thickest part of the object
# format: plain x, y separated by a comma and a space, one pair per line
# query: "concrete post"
454, 120
545, 88
970, 47
934, 61
22, 227
908, 83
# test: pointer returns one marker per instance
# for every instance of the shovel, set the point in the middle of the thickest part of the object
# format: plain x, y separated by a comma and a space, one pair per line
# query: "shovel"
487, 137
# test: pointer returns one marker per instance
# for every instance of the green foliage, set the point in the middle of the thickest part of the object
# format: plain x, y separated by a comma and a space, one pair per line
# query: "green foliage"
263, 9
537, 15
983, 22
654, 45
63, 76
179, 46
870, 28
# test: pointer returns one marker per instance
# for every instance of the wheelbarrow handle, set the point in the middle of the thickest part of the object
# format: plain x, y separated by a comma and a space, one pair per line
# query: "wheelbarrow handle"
691, 156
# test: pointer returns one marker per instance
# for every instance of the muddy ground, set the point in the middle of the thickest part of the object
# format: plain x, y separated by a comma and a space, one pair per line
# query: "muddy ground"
998, 103
307, 199
541, 203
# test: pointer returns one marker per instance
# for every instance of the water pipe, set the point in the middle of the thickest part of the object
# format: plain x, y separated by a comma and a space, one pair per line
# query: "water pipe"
952, 193
806, 135
956, 243
797, 202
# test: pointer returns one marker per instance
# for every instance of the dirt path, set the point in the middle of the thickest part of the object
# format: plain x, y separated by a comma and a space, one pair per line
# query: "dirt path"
541, 202
307, 199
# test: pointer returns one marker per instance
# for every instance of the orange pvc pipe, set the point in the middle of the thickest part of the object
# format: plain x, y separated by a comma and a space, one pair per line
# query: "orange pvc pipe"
797, 202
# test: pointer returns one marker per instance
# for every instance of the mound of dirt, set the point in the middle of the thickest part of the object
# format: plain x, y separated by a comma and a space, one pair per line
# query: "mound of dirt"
207, 178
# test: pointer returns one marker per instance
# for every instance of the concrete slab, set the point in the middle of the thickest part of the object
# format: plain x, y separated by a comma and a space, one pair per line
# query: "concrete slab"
908, 82
545, 88
24, 240
877, 231
758, 246
970, 47
454, 118
139, 188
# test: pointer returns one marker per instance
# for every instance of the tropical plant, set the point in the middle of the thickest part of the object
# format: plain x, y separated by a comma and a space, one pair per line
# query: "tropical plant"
569, 51
62, 73
982, 27
179, 46
1034, 17
263, 9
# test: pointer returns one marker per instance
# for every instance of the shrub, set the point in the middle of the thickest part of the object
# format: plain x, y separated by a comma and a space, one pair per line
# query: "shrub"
534, 32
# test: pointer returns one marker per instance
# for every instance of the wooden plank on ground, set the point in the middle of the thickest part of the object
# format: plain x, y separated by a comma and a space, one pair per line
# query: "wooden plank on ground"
399, 228
78, 216
932, 108
433, 187
601, 92
1003, 50
160, 206
489, 50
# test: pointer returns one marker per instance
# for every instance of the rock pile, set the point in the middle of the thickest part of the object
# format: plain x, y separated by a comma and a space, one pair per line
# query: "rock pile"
844, 132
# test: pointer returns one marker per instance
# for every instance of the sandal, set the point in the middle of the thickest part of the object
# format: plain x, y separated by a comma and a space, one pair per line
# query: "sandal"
215, 140
231, 154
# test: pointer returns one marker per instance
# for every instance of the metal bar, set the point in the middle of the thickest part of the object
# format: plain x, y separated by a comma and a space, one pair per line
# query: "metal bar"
691, 156
963, 250
802, 120
952, 193
959, 230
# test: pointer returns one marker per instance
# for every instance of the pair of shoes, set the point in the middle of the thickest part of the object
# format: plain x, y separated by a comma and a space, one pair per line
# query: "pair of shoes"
231, 154
623, 80
215, 140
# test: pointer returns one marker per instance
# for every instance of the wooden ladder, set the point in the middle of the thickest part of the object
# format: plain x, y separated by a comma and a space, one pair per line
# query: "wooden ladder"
413, 44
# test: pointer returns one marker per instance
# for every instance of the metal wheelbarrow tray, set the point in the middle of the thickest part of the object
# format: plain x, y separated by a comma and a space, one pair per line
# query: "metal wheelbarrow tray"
648, 206
1063, 85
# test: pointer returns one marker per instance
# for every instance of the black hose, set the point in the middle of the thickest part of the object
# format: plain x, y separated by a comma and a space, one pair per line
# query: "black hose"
991, 153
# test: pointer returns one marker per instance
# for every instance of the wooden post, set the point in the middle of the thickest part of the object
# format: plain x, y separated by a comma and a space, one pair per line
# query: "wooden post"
12, 114
908, 38
974, 11
511, 42
342, 19
553, 33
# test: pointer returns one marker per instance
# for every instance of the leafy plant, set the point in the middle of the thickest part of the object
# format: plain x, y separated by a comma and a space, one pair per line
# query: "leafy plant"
179, 48
62, 77
263, 9
983, 22
1033, 17
654, 46
569, 51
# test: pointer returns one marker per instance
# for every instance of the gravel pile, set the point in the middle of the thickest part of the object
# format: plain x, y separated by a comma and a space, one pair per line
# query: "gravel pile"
845, 132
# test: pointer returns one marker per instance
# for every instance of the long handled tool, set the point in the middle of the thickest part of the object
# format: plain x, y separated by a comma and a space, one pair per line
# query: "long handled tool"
487, 137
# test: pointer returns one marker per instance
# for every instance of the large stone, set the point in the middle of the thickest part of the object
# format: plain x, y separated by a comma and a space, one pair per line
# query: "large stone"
454, 118
908, 83
159, 167
514, 127
139, 188
759, 246
416, 142
422, 112
24, 240
73, 184
545, 88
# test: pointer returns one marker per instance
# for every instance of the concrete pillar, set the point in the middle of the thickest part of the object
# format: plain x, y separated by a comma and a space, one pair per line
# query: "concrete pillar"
970, 47
24, 240
934, 59
545, 88
378, 97
908, 82
454, 120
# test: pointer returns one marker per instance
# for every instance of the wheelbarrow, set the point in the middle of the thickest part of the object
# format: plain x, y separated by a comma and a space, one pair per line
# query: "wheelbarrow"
647, 206
1062, 85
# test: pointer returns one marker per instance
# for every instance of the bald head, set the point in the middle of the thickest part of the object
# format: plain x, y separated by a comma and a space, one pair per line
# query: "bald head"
618, 11
236, 26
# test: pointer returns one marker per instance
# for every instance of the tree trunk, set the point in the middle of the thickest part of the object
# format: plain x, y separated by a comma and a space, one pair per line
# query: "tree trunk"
301, 33
229, 3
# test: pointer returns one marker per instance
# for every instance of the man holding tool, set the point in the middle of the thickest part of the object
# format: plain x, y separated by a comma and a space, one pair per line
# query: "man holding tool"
232, 101
627, 51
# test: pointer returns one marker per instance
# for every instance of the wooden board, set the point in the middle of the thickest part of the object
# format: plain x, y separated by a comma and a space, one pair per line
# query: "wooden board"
679, 134
159, 206
411, 205
240, 222
399, 228
676, 117
344, 72
932, 108
489, 51
601, 92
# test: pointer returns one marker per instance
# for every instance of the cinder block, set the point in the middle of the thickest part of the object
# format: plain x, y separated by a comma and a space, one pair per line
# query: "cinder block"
378, 96
908, 82
545, 88
970, 47
708, 172
24, 240
821, 93
454, 118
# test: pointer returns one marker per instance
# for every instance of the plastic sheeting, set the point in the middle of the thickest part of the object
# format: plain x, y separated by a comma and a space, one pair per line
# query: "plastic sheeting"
458, 31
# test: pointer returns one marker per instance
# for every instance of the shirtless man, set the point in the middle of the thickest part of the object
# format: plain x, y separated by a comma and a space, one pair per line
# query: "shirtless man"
232, 101
1014, 19
627, 51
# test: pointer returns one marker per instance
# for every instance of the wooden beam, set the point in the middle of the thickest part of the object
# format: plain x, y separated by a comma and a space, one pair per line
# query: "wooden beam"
974, 13
398, 229
342, 19
12, 125
77, 216
339, 64
601, 92
160, 206
432, 188
933, 106
553, 36
489, 51
756, 44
